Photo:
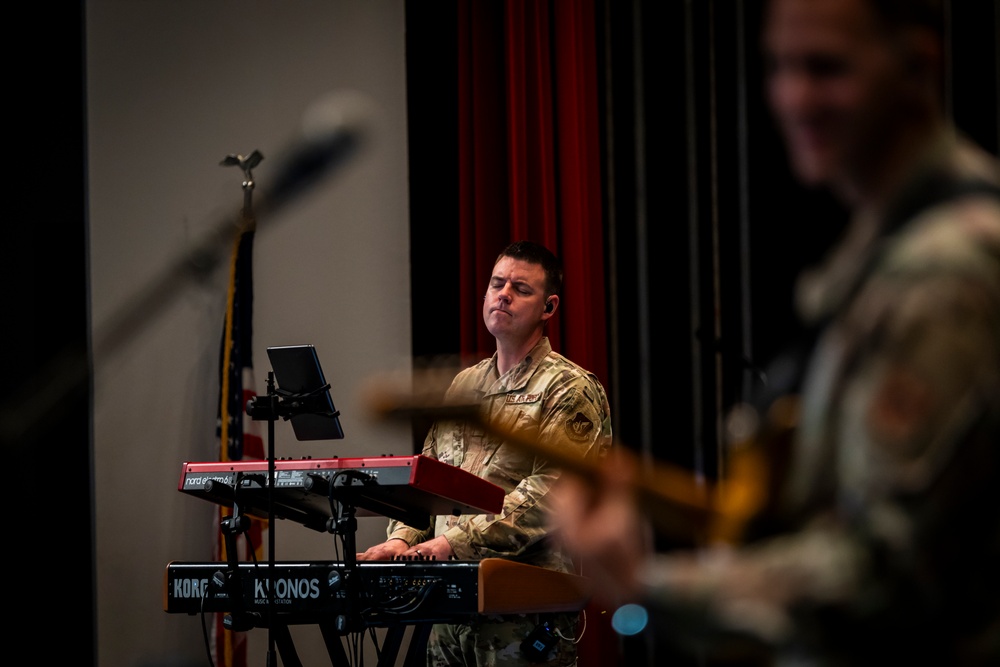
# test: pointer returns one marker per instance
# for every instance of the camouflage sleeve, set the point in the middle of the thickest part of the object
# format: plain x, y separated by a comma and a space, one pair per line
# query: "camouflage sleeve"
574, 416
399, 530
928, 366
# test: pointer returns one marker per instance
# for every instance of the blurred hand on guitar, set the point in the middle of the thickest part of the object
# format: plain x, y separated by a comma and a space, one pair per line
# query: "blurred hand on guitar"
598, 520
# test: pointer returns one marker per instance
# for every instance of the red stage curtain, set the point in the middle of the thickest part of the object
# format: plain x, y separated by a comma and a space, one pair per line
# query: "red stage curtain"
530, 161
530, 168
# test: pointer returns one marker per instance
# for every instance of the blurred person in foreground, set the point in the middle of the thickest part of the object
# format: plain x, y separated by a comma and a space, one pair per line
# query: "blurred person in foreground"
883, 546
535, 393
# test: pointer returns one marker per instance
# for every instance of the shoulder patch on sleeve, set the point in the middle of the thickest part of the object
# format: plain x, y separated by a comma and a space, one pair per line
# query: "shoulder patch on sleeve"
579, 427
900, 408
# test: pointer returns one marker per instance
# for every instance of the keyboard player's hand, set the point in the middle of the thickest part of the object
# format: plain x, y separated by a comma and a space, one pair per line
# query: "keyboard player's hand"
438, 548
387, 550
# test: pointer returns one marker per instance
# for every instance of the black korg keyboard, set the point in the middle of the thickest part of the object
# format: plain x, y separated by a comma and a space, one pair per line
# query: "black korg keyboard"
387, 592
304, 592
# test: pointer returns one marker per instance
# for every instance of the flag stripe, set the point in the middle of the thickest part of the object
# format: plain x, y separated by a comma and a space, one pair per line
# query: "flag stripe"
225, 375
237, 433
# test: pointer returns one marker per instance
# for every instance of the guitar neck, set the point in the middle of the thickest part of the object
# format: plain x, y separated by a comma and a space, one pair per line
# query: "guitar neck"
677, 502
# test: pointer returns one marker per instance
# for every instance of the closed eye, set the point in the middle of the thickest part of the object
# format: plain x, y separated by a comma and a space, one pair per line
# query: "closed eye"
521, 288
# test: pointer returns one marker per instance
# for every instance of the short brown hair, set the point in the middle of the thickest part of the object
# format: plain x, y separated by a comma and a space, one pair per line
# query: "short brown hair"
536, 253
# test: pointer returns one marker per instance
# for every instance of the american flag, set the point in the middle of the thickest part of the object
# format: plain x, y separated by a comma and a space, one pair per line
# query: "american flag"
238, 435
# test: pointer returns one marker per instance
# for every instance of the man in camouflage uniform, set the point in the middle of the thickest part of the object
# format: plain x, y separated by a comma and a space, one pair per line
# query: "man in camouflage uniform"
885, 545
528, 389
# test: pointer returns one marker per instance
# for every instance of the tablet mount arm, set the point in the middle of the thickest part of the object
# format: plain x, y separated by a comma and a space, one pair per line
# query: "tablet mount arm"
285, 404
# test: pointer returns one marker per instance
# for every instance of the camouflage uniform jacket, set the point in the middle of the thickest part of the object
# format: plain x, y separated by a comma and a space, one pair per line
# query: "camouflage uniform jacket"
892, 540
545, 397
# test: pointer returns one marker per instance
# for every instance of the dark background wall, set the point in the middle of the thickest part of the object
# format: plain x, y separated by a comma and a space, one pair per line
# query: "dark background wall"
708, 212
44, 272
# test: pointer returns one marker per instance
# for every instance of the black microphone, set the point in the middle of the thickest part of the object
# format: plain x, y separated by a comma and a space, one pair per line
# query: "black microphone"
332, 130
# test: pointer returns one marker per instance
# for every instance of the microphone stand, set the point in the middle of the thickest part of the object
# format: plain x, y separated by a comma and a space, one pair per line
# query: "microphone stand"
274, 405
270, 410
334, 133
